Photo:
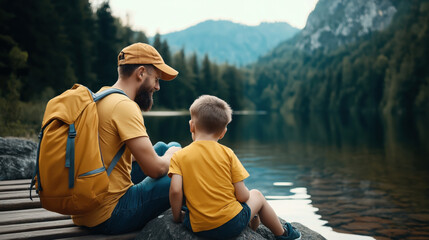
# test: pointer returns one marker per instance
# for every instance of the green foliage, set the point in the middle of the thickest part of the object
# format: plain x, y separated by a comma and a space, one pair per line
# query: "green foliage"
12, 61
386, 71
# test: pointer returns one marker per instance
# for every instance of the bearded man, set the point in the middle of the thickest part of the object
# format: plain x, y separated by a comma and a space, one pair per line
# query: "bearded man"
138, 188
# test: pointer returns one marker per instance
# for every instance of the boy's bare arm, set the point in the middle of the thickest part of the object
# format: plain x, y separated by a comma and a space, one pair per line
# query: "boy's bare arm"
241, 192
176, 197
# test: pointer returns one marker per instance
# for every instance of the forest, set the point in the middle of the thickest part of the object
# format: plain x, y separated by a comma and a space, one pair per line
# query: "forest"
47, 46
386, 71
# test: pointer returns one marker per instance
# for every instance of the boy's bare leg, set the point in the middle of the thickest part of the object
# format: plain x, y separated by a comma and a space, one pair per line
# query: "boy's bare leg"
254, 223
259, 205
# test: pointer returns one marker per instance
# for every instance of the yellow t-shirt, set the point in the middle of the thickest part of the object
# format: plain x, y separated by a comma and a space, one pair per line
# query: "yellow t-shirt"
209, 170
120, 119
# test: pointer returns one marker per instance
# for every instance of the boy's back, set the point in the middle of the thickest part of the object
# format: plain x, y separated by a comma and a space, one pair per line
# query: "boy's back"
211, 178
209, 170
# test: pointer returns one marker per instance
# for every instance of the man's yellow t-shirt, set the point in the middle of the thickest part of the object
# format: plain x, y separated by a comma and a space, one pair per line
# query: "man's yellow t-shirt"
209, 170
120, 119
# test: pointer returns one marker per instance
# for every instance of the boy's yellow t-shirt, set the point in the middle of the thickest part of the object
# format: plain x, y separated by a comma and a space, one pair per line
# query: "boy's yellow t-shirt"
120, 119
209, 170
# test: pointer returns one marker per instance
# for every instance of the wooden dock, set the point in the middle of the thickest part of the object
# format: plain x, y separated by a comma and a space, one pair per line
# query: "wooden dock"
21, 218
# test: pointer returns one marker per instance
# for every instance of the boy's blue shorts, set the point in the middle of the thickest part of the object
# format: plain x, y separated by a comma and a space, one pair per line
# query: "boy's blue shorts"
230, 229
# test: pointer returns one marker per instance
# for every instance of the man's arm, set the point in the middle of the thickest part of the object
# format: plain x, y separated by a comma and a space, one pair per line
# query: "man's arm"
241, 192
176, 197
152, 165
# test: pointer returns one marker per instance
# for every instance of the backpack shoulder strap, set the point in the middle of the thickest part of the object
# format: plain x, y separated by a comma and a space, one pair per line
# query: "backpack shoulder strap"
97, 97
101, 95
115, 160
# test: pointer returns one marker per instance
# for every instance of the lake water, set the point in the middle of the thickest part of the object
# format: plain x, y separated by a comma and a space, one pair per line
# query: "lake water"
344, 176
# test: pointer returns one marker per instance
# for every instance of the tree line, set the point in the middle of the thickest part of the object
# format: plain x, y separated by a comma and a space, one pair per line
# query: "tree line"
48, 45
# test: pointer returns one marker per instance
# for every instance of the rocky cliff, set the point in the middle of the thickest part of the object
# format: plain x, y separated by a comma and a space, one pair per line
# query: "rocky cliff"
334, 23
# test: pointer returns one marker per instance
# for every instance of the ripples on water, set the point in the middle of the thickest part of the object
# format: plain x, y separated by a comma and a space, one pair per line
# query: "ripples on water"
344, 176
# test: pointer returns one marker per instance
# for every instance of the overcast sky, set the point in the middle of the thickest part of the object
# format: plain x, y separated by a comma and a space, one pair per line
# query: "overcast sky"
166, 16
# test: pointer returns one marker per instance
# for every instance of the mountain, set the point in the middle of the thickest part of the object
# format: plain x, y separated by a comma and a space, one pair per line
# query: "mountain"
226, 41
352, 56
335, 23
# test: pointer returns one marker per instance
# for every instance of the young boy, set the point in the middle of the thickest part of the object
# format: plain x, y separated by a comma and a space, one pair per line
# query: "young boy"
219, 205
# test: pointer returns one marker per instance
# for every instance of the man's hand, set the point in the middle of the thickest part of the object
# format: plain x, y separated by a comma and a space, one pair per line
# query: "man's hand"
169, 153
172, 150
151, 164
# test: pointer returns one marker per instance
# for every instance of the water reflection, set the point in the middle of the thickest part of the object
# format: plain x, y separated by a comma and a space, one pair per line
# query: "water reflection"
364, 174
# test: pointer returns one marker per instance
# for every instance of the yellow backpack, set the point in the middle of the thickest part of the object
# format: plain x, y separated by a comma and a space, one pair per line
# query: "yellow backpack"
70, 174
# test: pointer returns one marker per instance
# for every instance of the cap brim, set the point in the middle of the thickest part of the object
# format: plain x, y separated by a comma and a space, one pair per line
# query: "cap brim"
167, 73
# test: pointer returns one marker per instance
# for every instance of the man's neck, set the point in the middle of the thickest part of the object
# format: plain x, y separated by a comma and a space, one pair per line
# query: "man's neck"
129, 90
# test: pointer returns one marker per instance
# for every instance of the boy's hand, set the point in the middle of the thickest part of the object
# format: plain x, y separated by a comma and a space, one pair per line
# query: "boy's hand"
182, 216
254, 223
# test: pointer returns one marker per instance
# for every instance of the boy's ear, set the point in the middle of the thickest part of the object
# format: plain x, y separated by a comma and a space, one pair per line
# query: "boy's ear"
223, 133
191, 126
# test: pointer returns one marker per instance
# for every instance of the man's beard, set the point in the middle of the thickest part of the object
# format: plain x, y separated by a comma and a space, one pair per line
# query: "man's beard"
144, 99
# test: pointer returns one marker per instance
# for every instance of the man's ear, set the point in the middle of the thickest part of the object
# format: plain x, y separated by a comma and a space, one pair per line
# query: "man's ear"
140, 71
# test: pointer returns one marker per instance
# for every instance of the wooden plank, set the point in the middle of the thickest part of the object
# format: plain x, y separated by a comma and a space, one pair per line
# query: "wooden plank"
42, 224
18, 194
15, 182
14, 187
48, 234
21, 218
16, 204
131, 235
29, 215
25, 227
59, 225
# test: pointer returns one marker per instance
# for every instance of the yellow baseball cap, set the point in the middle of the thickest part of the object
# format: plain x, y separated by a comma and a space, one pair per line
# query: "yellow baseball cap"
141, 53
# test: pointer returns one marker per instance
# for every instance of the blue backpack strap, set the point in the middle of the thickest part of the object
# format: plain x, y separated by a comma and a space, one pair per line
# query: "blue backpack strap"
36, 169
70, 154
115, 159
101, 95
97, 97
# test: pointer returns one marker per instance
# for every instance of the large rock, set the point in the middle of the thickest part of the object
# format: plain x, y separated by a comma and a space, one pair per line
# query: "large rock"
163, 228
17, 158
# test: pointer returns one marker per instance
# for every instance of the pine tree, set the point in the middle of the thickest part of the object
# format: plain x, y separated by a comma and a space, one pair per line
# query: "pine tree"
141, 37
165, 52
37, 30
195, 74
107, 47
78, 23
206, 86
184, 87
157, 44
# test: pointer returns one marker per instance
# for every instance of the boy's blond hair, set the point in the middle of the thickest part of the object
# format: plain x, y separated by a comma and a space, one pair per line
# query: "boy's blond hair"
210, 114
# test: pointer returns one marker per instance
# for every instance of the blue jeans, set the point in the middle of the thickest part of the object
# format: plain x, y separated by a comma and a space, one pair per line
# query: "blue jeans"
230, 229
142, 202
